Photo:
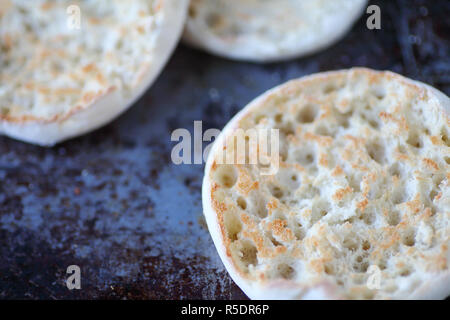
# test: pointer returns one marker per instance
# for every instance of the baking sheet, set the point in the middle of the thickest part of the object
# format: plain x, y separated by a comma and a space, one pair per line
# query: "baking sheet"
113, 203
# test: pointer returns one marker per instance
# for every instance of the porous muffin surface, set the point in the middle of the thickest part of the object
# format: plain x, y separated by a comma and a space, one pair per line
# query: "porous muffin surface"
363, 183
59, 56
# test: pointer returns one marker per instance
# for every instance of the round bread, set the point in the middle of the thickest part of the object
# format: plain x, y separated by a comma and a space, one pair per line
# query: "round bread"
362, 190
263, 31
58, 81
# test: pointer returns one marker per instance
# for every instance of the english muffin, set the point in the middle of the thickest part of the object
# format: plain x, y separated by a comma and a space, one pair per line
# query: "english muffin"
69, 67
263, 31
358, 203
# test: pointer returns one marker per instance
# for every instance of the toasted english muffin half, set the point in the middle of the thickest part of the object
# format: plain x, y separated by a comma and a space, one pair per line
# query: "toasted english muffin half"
359, 207
58, 81
264, 31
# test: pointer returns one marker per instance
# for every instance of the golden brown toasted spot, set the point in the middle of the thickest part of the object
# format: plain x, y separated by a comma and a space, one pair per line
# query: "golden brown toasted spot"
414, 205
387, 117
362, 204
435, 140
30, 85
427, 213
390, 240
218, 206
159, 5
279, 250
89, 68
323, 160
272, 204
44, 90
94, 21
7, 41
343, 104
279, 229
46, 5
401, 156
245, 218
337, 171
321, 140
89, 96
359, 167
140, 29
101, 79
340, 193
356, 141
347, 154
430, 163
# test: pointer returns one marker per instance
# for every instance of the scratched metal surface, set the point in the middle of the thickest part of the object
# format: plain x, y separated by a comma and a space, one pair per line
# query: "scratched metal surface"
114, 204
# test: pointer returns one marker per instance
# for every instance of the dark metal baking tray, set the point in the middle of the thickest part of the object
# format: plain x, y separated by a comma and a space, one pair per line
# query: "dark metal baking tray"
112, 201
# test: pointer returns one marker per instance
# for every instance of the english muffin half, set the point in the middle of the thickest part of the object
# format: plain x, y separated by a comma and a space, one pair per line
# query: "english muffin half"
263, 31
69, 67
358, 206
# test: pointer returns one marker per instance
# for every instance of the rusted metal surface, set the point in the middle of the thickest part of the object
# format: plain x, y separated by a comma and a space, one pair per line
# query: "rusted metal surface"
113, 203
